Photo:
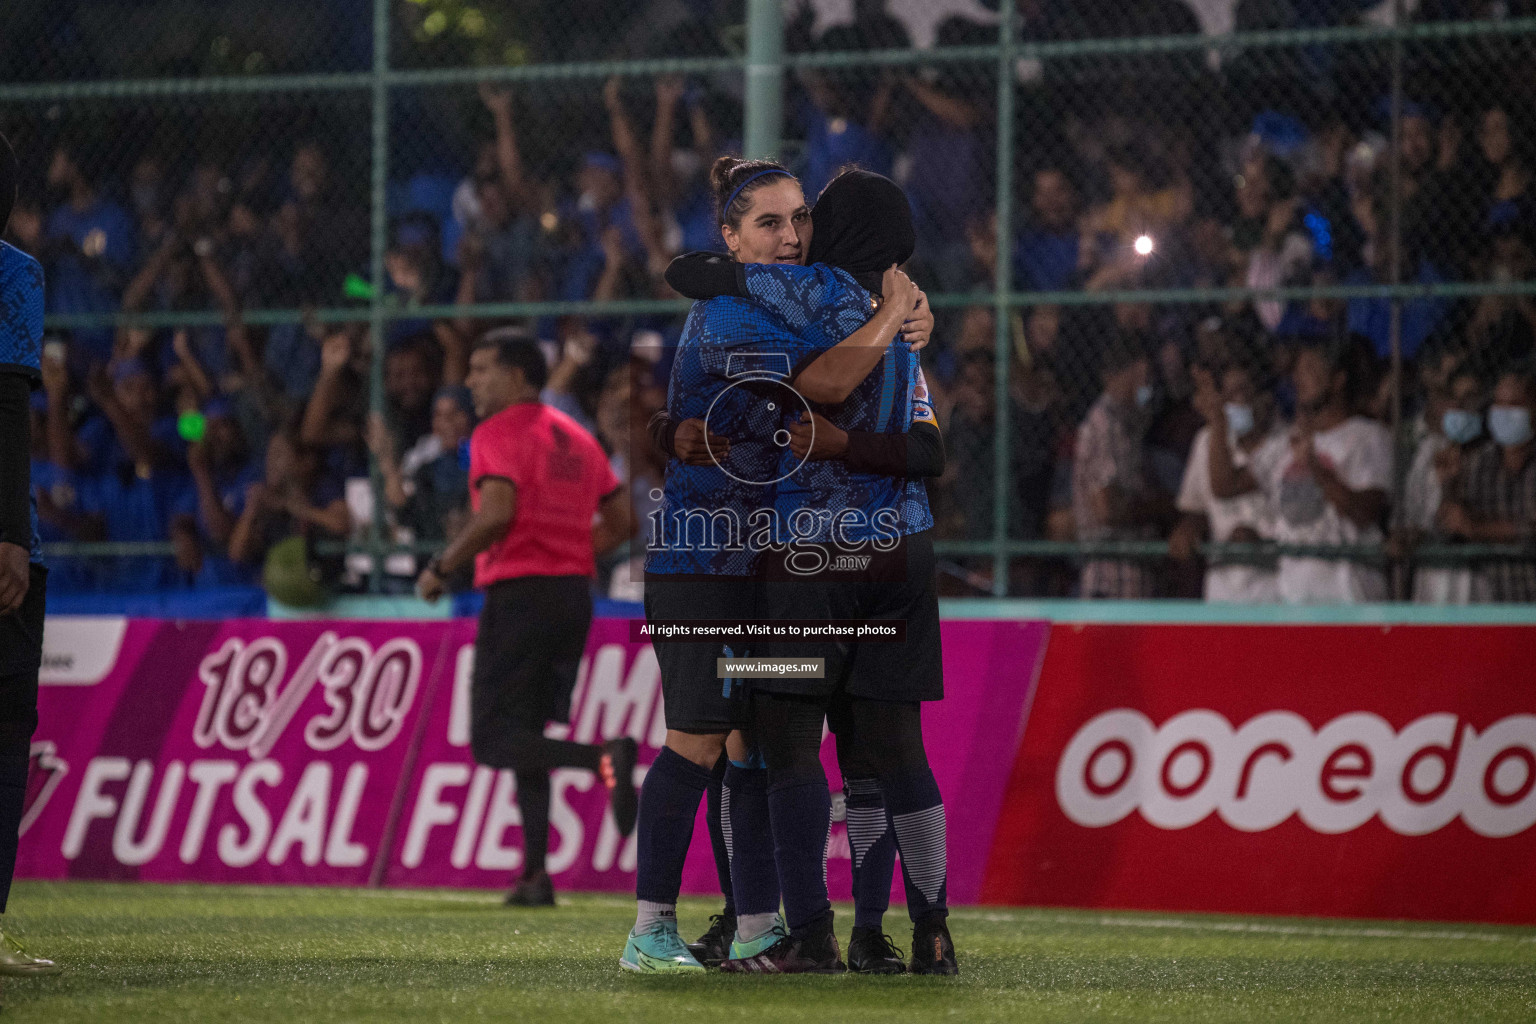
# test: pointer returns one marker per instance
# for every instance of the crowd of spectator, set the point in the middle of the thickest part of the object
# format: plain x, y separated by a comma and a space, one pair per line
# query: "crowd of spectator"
1235, 422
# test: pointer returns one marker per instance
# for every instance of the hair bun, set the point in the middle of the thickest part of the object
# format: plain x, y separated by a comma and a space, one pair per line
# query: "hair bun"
720, 172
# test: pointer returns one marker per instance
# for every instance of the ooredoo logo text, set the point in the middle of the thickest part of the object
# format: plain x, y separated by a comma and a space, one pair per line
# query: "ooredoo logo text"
1334, 778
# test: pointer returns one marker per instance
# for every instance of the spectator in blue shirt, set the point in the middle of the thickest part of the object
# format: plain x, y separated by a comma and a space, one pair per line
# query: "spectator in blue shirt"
1048, 248
679, 177
221, 471
1372, 317
846, 113
132, 461
949, 162
501, 253
89, 248
600, 206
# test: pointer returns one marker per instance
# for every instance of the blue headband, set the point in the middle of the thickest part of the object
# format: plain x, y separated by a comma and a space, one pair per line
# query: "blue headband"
772, 170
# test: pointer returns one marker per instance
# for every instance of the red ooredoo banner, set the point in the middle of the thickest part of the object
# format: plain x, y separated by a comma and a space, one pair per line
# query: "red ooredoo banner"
1317, 770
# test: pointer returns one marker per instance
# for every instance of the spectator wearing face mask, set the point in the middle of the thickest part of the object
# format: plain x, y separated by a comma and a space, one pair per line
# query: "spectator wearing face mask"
1220, 496
1495, 494
1453, 420
1112, 495
1331, 486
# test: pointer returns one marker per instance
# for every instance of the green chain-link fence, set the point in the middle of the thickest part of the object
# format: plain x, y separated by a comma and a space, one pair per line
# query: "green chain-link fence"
247, 200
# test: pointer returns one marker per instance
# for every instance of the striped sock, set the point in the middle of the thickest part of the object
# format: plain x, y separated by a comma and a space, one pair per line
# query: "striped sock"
873, 846
718, 818
917, 817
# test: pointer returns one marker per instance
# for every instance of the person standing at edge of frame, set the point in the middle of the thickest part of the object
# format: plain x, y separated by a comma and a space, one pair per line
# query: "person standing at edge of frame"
536, 478
23, 578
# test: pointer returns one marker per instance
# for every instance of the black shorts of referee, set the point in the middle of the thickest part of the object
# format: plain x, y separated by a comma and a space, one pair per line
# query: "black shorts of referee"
896, 584
697, 700
528, 648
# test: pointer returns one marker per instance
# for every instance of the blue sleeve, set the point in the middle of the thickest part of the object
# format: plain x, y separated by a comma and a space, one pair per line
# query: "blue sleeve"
808, 296
21, 313
821, 305
741, 337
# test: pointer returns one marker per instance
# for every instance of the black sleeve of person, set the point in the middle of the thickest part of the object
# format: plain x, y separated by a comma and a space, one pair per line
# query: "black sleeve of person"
663, 433
15, 456
705, 275
917, 453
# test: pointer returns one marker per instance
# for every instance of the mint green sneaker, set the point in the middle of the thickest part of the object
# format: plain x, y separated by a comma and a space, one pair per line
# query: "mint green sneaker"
742, 950
660, 950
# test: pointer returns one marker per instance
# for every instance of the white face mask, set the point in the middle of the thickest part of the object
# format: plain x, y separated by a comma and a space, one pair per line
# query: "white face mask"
1239, 419
1510, 425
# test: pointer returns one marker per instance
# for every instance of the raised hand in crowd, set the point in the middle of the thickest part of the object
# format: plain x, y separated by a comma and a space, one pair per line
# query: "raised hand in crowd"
381, 442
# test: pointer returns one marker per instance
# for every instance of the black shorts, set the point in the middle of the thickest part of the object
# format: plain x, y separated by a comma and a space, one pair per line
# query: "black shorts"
21, 659
697, 700
897, 584
533, 631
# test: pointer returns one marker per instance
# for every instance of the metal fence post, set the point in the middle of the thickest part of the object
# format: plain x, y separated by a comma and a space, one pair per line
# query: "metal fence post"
765, 80
378, 238
1003, 286
1397, 571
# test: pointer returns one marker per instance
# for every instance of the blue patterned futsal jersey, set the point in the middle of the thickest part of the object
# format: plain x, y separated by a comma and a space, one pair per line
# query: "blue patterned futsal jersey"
731, 368
21, 332
823, 500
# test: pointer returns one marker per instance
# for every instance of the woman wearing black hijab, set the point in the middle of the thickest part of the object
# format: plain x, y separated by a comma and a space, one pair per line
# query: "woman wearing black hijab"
871, 693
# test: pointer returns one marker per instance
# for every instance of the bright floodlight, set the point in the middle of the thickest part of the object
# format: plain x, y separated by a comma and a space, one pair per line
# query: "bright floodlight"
1143, 245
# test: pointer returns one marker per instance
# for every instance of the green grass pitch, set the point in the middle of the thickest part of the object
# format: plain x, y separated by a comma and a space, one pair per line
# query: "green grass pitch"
192, 953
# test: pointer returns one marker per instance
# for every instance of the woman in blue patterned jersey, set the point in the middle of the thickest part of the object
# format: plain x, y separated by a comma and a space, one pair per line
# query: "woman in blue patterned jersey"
833, 516
703, 564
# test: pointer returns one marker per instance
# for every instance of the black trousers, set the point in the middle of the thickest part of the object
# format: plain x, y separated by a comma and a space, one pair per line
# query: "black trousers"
532, 632
21, 658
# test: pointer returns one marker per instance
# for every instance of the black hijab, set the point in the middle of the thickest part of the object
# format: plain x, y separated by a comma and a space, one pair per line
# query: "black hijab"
863, 224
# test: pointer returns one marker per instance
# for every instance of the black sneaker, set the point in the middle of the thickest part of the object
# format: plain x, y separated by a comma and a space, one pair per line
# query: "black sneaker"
871, 951
532, 891
933, 951
714, 946
813, 951
618, 774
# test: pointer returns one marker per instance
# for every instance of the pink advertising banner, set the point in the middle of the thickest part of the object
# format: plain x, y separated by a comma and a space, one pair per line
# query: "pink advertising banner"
337, 753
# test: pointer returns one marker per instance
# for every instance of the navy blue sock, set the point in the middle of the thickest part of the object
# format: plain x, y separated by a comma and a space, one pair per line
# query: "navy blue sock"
669, 801
873, 846
719, 833
754, 872
801, 812
917, 817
